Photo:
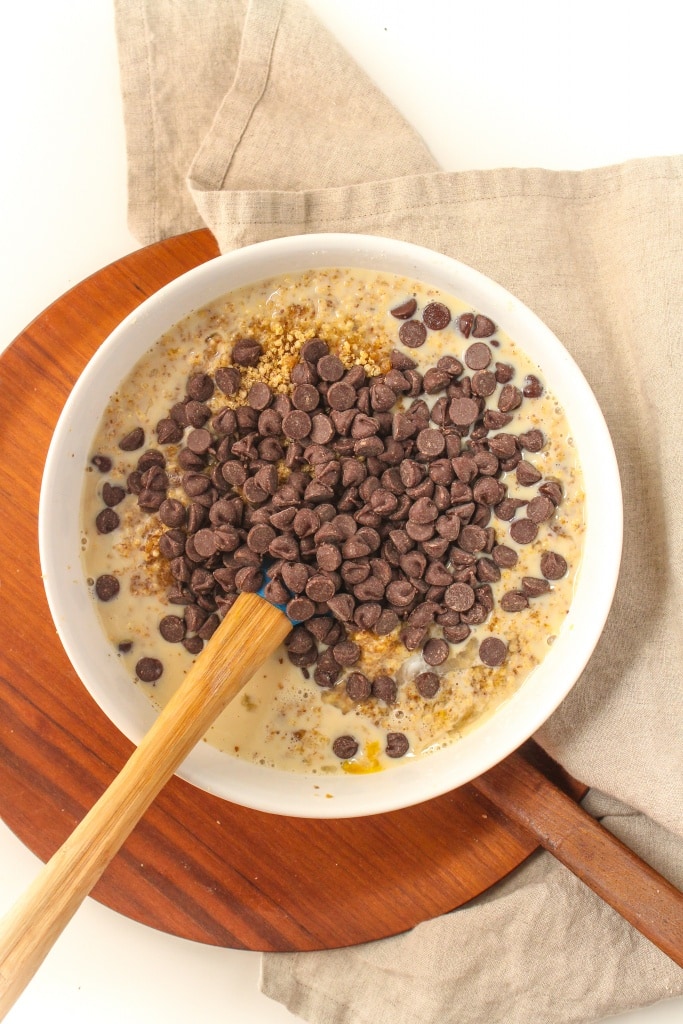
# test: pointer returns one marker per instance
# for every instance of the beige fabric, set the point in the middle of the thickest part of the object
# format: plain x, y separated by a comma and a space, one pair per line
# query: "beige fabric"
279, 132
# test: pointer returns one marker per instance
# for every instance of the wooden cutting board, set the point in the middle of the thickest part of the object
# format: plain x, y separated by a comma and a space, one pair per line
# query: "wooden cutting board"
196, 866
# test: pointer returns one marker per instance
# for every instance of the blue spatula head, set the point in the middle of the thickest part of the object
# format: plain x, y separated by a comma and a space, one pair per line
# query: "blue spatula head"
276, 604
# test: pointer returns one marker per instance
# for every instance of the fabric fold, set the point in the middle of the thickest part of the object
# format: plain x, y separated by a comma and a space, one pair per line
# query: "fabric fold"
249, 118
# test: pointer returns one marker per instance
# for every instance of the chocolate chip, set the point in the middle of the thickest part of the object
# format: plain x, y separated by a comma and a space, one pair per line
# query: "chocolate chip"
204, 541
534, 587
148, 670
532, 387
199, 440
133, 440
386, 623
330, 368
493, 419
247, 352
435, 651
306, 397
488, 491
299, 640
465, 323
358, 687
412, 333
200, 387
552, 490
509, 398
397, 744
195, 484
456, 634
423, 510
267, 479
102, 462
342, 607
503, 446
275, 592
328, 557
524, 531
504, 372
152, 457
260, 537
459, 597
487, 571
382, 397
168, 431
107, 587
366, 615
384, 688
320, 588
493, 651
172, 628
531, 440
296, 425
483, 327
346, 653
514, 601
405, 309
209, 627
431, 442
228, 379
249, 580
436, 316
314, 349
172, 544
400, 593
112, 495
463, 411
478, 355
327, 671
193, 644
483, 383
341, 396
540, 509
553, 566
428, 684
300, 608
345, 747
472, 538
259, 396
507, 508
107, 520
526, 474
295, 576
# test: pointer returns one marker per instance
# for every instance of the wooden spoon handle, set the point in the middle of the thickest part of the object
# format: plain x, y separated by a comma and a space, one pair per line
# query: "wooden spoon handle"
635, 890
250, 632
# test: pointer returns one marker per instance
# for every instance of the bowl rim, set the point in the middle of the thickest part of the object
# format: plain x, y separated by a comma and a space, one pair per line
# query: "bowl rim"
521, 715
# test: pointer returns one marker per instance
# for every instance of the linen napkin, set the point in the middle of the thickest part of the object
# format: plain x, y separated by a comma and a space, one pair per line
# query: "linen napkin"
249, 118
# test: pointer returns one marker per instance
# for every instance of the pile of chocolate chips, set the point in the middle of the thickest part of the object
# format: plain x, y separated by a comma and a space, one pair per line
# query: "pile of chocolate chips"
380, 519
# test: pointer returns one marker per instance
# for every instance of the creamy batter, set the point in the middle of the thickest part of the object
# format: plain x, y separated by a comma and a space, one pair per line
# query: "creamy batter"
282, 718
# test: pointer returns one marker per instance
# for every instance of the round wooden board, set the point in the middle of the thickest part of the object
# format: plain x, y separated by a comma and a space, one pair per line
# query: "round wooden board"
196, 866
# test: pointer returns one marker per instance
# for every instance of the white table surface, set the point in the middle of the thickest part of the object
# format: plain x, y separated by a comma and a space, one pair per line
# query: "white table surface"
570, 84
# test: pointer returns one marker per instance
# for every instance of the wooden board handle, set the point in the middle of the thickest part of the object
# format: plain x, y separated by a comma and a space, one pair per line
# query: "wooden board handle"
642, 896
250, 632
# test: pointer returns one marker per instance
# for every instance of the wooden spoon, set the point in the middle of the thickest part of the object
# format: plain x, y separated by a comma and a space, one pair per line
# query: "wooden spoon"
248, 634
640, 894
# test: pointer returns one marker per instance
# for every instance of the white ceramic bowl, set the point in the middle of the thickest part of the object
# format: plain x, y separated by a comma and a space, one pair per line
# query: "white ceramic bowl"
263, 788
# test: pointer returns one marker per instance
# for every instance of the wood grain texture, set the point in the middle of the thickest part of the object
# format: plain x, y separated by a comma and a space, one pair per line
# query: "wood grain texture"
637, 892
249, 633
196, 866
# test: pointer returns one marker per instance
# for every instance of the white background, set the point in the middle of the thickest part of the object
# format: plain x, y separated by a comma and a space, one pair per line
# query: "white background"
568, 84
